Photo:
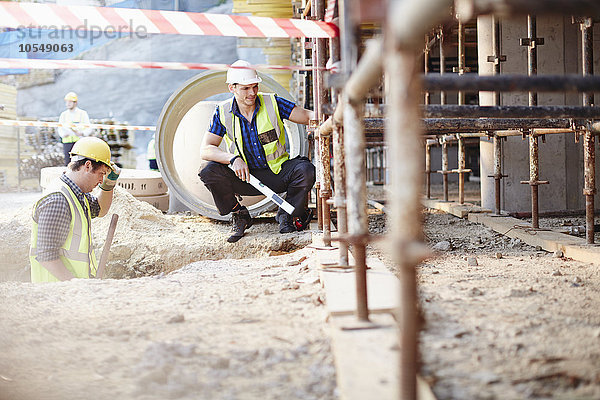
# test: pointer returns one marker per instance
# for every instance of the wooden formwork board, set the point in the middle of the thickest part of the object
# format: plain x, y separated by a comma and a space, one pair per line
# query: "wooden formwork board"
456, 209
571, 246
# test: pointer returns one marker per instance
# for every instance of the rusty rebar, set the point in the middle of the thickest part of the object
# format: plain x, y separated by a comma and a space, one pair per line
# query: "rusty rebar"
339, 174
589, 146
426, 67
445, 171
428, 145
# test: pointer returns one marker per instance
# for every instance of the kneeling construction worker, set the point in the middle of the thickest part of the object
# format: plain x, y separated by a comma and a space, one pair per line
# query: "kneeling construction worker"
252, 125
61, 241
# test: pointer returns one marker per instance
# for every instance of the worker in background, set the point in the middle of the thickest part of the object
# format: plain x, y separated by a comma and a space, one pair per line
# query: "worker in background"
61, 241
72, 117
252, 125
151, 153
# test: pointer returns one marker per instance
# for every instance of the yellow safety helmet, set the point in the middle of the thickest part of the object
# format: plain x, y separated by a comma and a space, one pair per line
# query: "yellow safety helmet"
93, 148
72, 96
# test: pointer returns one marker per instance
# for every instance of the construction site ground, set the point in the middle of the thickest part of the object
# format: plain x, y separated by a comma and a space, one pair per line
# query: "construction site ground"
186, 315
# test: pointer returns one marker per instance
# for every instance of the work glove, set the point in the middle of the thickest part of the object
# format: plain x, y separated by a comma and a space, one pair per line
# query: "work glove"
110, 179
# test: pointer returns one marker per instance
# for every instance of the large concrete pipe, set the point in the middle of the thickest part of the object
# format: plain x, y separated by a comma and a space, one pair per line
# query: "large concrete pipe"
179, 132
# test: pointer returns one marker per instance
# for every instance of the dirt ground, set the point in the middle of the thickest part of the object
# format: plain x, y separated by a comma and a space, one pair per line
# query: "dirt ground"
500, 319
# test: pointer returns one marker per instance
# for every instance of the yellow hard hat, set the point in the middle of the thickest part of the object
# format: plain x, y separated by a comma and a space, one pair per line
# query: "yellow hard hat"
93, 148
72, 96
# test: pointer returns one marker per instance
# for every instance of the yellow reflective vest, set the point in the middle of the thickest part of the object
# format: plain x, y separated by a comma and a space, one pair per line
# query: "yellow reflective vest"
76, 253
270, 130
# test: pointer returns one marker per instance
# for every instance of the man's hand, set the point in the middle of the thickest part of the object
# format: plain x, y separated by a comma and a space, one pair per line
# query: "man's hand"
110, 180
241, 169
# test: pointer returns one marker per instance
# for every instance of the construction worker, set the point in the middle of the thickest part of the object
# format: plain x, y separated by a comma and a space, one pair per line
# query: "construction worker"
151, 154
61, 242
251, 124
72, 117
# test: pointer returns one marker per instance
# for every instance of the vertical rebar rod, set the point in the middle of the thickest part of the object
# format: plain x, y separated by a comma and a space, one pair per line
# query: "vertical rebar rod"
534, 173
403, 132
589, 145
354, 153
442, 63
496, 53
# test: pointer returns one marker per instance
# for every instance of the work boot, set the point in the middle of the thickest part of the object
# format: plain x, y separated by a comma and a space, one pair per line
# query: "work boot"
301, 223
286, 223
241, 221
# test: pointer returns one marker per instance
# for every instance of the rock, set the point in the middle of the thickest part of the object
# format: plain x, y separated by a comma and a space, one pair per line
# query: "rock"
557, 254
498, 255
577, 280
442, 246
475, 292
472, 261
538, 248
292, 263
268, 292
176, 319
514, 243
557, 273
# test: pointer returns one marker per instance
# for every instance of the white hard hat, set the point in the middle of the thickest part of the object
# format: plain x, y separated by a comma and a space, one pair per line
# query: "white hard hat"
242, 76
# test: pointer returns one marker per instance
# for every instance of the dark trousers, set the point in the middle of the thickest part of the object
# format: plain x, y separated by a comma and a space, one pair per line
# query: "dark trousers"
67, 147
297, 177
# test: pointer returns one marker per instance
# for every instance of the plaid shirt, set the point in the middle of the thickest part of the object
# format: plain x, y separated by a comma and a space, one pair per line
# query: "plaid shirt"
253, 150
53, 216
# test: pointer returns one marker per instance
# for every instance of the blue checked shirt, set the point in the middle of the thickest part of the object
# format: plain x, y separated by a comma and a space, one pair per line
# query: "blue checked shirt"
253, 150
53, 216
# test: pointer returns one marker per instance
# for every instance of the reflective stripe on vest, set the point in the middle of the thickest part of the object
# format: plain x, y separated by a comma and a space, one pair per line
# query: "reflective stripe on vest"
267, 114
73, 138
76, 253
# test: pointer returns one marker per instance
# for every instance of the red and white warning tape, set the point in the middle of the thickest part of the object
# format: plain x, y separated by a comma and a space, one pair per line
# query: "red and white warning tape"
330, 11
109, 19
31, 63
9, 122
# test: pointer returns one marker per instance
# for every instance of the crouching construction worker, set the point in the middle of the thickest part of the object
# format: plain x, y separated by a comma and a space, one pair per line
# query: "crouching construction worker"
61, 241
251, 124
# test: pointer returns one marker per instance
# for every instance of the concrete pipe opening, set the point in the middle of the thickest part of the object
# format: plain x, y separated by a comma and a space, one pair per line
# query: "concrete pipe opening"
181, 126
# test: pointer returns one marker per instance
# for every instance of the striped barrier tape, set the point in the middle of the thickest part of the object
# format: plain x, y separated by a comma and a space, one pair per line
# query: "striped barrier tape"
330, 10
111, 19
33, 63
10, 122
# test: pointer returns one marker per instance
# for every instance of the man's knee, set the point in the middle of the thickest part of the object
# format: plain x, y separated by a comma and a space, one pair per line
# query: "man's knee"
307, 171
211, 171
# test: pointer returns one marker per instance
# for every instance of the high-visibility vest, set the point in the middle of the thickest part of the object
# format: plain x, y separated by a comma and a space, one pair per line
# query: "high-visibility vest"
151, 150
76, 253
73, 119
271, 135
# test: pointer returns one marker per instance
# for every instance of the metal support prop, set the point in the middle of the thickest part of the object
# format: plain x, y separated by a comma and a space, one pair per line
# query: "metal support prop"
354, 153
534, 169
404, 134
428, 144
317, 80
589, 145
497, 172
426, 67
320, 59
462, 170
442, 62
444, 171
339, 174
461, 59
